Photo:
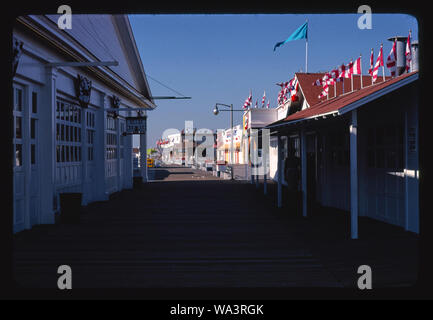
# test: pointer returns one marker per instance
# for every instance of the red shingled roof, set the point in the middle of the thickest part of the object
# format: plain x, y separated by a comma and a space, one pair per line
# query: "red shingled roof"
311, 93
335, 104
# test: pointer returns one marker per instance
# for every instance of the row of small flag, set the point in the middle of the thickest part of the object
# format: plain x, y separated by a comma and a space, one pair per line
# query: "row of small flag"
354, 68
288, 89
248, 101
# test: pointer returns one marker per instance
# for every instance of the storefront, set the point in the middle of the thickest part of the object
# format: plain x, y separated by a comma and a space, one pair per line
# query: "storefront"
67, 138
359, 152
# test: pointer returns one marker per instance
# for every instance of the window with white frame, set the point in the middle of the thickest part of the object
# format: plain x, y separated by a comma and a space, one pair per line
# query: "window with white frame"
122, 137
90, 134
111, 138
385, 147
33, 128
68, 132
18, 126
111, 145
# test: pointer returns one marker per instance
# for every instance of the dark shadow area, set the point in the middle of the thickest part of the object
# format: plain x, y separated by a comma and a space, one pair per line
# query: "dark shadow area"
212, 233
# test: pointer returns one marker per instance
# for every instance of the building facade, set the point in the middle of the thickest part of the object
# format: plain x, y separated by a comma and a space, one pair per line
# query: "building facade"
68, 136
358, 151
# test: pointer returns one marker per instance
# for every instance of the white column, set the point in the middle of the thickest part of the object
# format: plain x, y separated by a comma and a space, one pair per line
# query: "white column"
47, 147
249, 156
26, 159
127, 160
265, 157
99, 150
254, 155
143, 156
84, 157
119, 173
279, 172
354, 176
304, 171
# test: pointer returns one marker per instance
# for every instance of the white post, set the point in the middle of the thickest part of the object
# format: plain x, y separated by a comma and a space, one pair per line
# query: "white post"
265, 157
128, 168
47, 147
250, 143
143, 156
257, 162
406, 179
335, 87
119, 175
254, 155
279, 172
360, 66
84, 158
304, 171
26, 163
99, 149
354, 176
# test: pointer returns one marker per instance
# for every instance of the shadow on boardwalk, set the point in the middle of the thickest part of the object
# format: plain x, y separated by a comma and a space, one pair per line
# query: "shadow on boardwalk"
195, 230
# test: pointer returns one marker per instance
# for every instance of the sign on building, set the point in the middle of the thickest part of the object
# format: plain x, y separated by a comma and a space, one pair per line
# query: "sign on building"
135, 125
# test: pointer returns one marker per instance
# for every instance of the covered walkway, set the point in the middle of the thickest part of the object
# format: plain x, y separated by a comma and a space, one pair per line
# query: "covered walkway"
190, 229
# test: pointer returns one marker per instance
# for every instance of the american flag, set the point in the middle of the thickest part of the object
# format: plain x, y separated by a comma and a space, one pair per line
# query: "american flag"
263, 99
392, 58
379, 63
294, 86
408, 53
370, 71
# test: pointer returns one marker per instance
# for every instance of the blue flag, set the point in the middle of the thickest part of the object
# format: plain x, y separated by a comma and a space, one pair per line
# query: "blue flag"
300, 33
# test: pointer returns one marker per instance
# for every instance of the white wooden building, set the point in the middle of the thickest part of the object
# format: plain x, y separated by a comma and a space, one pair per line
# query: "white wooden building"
358, 150
61, 142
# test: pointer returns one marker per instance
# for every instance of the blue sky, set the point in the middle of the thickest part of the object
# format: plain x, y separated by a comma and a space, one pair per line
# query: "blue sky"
221, 57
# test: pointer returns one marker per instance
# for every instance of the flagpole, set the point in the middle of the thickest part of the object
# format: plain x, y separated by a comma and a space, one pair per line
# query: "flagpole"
360, 67
371, 66
306, 50
383, 66
343, 76
351, 75
335, 85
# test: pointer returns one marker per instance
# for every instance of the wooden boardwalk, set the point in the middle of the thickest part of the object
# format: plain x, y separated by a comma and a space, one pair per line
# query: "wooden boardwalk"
190, 229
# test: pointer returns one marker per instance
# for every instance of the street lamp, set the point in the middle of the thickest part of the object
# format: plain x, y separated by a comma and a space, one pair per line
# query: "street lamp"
216, 112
